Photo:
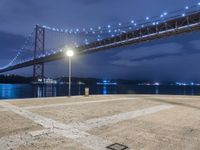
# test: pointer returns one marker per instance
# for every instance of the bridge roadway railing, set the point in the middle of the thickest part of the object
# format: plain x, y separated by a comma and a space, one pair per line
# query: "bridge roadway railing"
174, 26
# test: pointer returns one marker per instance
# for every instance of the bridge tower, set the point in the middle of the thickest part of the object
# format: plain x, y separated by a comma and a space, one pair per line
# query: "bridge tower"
39, 48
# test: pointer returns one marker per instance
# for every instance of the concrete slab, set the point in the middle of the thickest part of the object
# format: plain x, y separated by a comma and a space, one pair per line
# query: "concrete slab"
77, 113
51, 143
57, 100
94, 122
176, 128
11, 124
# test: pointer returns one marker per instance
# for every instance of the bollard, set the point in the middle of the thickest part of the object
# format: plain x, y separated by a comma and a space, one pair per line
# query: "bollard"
86, 91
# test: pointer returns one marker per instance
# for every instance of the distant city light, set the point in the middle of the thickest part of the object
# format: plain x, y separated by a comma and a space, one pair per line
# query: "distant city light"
183, 15
186, 7
106, 82
147, 18
187, 84
157, 83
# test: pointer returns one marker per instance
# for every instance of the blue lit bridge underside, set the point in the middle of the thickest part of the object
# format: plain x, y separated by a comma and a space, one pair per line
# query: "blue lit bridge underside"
171, 27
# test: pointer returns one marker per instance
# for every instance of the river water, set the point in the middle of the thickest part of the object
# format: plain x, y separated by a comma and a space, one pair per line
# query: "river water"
11, 91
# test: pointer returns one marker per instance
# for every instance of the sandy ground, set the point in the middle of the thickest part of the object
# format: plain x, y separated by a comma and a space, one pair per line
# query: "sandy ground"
79, 113
12, 124
51, 143
150, 122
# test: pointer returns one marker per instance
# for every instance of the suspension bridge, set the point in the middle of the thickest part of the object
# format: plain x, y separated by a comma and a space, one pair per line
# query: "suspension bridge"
46, 44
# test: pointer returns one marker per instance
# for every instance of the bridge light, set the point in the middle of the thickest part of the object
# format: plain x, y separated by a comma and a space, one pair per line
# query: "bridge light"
165, 13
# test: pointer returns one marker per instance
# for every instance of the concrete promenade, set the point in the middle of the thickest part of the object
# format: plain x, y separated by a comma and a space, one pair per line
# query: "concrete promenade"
121, 122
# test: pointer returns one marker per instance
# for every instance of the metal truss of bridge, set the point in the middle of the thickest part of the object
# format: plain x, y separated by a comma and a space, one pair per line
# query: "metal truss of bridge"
47, 44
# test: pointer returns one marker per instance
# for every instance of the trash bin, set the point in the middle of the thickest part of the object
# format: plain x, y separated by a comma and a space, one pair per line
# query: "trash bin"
86, 91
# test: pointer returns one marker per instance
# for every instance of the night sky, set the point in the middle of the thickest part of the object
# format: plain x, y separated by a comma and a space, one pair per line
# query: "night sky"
172, 59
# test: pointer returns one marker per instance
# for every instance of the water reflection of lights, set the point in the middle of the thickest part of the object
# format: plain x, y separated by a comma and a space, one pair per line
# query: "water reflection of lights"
6, 90
46, 90
104, 90
106, 83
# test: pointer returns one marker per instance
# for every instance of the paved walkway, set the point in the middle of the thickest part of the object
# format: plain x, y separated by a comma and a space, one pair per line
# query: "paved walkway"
95, 122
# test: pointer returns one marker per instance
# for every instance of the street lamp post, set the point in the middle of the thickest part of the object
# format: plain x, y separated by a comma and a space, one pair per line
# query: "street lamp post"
69, 54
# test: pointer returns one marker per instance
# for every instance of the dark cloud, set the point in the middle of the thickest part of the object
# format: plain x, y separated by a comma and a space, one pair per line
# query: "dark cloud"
10, 43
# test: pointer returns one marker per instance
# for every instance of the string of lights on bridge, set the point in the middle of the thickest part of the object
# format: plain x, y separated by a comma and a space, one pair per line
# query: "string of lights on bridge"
100, 32
119, 28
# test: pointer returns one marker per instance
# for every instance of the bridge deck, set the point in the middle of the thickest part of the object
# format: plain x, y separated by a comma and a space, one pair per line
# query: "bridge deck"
94, 122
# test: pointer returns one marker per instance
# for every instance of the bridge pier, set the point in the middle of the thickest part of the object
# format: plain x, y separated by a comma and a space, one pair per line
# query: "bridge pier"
38, 68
